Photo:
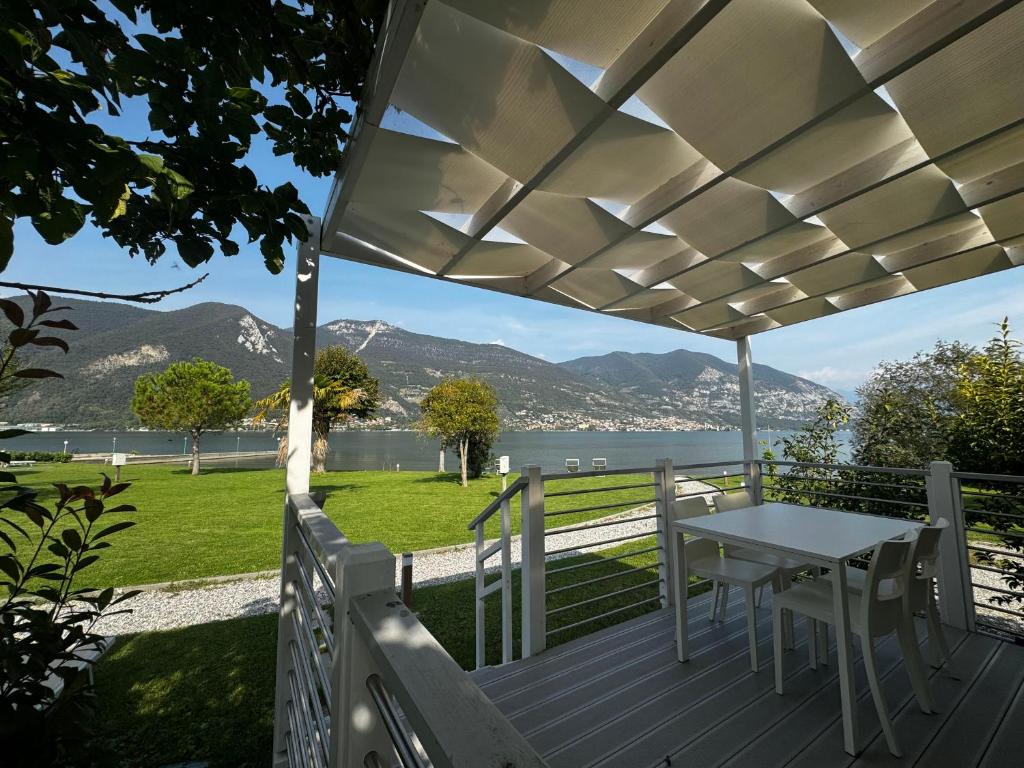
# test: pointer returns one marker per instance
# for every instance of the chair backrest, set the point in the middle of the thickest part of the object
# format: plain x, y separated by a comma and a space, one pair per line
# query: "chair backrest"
924, 564
700, 549
695, 506
736, 500
885, 585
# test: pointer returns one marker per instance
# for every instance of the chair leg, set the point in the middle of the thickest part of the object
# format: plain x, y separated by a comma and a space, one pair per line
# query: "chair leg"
812, 642
752, 627
871, 668
726, 588
937, 640
777, 645
780, 584
760, 595
823, 642
715, 589
915, 666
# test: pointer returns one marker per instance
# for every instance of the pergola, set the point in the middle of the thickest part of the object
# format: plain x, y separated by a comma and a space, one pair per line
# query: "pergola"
714, 166
734, 167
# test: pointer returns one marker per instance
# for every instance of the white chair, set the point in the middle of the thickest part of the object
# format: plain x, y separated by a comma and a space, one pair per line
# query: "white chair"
875, 611
686, 509
704, 560
920, 595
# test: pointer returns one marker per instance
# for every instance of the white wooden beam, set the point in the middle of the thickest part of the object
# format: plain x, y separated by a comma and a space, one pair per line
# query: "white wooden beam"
748, 416
300, 409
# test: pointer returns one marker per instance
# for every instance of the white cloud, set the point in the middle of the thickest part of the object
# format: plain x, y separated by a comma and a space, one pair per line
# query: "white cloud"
844, 378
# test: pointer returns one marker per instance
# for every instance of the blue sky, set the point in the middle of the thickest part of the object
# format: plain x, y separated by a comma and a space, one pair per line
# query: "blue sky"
839, 351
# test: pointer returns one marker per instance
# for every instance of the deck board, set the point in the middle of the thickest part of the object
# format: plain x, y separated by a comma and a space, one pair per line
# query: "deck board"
619, 699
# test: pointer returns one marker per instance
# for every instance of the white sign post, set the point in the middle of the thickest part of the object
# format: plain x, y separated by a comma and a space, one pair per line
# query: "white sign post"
503, 471
118, 460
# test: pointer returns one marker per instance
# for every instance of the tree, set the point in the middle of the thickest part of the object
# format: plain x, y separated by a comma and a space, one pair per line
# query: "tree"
987, 434
463, 413
212, 79
814, 443
193, 396
343, 388
907, 408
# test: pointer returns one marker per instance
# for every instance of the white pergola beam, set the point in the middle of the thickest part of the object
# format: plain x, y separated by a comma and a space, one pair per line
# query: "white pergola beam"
748, 416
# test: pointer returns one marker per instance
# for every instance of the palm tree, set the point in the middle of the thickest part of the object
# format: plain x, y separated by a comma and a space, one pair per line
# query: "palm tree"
334, 399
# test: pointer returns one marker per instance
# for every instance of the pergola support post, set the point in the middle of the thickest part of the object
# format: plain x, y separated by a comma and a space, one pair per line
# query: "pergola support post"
300, 435
748, 418
534, 616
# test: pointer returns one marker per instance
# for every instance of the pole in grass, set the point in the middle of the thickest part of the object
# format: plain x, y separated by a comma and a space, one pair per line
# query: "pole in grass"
407, 579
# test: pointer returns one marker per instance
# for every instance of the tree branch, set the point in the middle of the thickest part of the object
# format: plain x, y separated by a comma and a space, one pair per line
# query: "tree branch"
146, 297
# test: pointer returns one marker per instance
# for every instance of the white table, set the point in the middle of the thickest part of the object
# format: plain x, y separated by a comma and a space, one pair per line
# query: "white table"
822, 537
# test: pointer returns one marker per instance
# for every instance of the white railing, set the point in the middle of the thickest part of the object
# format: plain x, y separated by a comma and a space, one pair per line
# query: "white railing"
360, 681
926, 494
532, 492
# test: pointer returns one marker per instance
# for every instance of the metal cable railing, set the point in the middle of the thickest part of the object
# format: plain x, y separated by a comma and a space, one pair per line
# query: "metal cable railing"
993, 521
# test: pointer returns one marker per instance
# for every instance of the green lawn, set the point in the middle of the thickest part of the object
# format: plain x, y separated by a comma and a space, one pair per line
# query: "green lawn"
228, 520
206, 692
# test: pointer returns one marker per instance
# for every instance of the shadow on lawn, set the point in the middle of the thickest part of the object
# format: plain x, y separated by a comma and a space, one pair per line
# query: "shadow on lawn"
197, 693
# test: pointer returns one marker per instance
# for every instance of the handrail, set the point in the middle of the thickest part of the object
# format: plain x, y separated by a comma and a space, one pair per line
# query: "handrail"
599, 473
852, 467
988, 478
435, 694
494, 506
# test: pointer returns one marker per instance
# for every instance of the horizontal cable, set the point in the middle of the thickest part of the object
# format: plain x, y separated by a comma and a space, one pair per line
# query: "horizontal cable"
1012, 534
987, 513
846, 496
989, 607
710, 464
993, 495
1000, 590
600, 561
407, 754
602, 524
634, 503
643, 535
598, 579
301, 629
990, 569
325, 625
599, 473
328, 582
599, 598
850, 468
604, 615
706, 478
578, 491
997, 552
307, 687
1012, 479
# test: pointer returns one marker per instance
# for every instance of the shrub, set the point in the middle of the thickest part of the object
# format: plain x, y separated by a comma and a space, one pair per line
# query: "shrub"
56, 457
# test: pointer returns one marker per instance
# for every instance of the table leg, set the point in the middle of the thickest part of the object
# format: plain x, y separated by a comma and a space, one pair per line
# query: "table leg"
680, 584
845, 652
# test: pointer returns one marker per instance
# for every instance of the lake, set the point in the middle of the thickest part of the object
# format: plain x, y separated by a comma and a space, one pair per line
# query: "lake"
407, 450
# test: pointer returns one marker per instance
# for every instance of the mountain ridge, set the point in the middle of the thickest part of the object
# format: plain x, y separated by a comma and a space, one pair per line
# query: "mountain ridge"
620, 390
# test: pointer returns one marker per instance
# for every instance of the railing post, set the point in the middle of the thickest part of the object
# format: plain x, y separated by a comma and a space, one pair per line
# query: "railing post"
481, 600
285, 633
506, 581
534, 600
665, 493
356, 728
956, 595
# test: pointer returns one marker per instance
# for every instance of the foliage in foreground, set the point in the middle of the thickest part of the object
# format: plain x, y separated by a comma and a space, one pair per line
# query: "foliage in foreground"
212, 79
194, 397
46, 619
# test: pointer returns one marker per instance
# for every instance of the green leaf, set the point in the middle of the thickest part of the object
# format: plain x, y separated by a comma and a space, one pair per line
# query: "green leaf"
37, 373
63, 219
10, 566
194, 251
13, 311
6, 241
112, 529
152, 163
71, 538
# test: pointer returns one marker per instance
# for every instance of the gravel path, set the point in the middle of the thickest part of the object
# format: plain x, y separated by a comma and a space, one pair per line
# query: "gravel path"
174, 606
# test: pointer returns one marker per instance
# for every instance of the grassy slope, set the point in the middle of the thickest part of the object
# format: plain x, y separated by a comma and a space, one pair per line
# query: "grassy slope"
228, 521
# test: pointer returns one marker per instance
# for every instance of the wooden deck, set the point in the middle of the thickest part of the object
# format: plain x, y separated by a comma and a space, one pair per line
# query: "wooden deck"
619, 698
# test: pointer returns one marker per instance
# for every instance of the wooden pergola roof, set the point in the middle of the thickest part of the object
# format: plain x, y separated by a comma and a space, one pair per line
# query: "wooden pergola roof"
733, 168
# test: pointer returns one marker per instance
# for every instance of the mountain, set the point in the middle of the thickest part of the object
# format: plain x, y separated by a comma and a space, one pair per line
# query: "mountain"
116, 343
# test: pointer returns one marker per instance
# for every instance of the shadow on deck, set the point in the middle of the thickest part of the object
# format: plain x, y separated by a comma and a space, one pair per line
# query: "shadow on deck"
618, 698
